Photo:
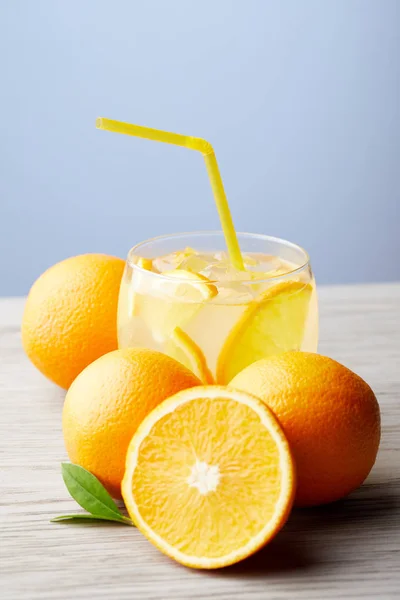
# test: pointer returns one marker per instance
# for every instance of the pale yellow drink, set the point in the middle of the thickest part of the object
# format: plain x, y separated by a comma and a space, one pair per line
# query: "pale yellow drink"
192, 305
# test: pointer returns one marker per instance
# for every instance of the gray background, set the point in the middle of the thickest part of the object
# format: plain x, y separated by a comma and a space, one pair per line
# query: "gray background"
299, 98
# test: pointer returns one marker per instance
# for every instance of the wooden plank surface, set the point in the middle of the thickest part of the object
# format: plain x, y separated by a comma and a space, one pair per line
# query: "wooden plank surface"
350, 549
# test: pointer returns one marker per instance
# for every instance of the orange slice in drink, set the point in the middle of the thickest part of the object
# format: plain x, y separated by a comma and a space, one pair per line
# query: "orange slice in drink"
181, 347
209, 476
170, 300
186, 286
272, 324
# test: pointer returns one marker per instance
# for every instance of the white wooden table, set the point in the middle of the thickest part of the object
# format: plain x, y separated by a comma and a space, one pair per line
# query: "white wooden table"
350, 549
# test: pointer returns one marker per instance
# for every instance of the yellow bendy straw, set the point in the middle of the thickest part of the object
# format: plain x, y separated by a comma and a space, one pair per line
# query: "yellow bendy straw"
193, 143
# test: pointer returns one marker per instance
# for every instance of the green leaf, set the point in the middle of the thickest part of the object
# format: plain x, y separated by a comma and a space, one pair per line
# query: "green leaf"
89, 517
89, 493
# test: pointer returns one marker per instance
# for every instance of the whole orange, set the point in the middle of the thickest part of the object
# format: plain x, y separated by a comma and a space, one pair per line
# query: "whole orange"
70, 316
107, 402
329, 415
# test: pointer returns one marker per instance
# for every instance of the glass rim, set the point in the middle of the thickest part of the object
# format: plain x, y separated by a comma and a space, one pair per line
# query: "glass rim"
217, 232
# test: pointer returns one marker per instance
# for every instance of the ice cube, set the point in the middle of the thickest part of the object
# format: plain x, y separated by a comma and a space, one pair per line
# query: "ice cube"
172, 261
196, 262
262, 263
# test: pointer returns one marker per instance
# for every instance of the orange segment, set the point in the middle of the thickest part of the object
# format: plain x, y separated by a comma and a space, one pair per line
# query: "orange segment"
181, 347
209, 476
272, 324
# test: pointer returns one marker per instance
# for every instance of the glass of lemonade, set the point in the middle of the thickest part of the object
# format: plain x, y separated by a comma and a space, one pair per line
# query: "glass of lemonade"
180, 295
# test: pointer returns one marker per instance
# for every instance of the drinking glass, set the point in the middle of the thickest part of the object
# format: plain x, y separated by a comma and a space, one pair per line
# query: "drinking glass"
212, 318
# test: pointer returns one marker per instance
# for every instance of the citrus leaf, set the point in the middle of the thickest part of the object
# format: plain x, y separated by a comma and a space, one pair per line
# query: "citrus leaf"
89, 493
89, 517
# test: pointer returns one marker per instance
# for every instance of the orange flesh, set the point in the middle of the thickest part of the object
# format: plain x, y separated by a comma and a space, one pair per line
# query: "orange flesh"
250, 478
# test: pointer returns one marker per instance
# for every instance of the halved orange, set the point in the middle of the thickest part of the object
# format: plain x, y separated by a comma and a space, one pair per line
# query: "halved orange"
209, 476
272, 324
